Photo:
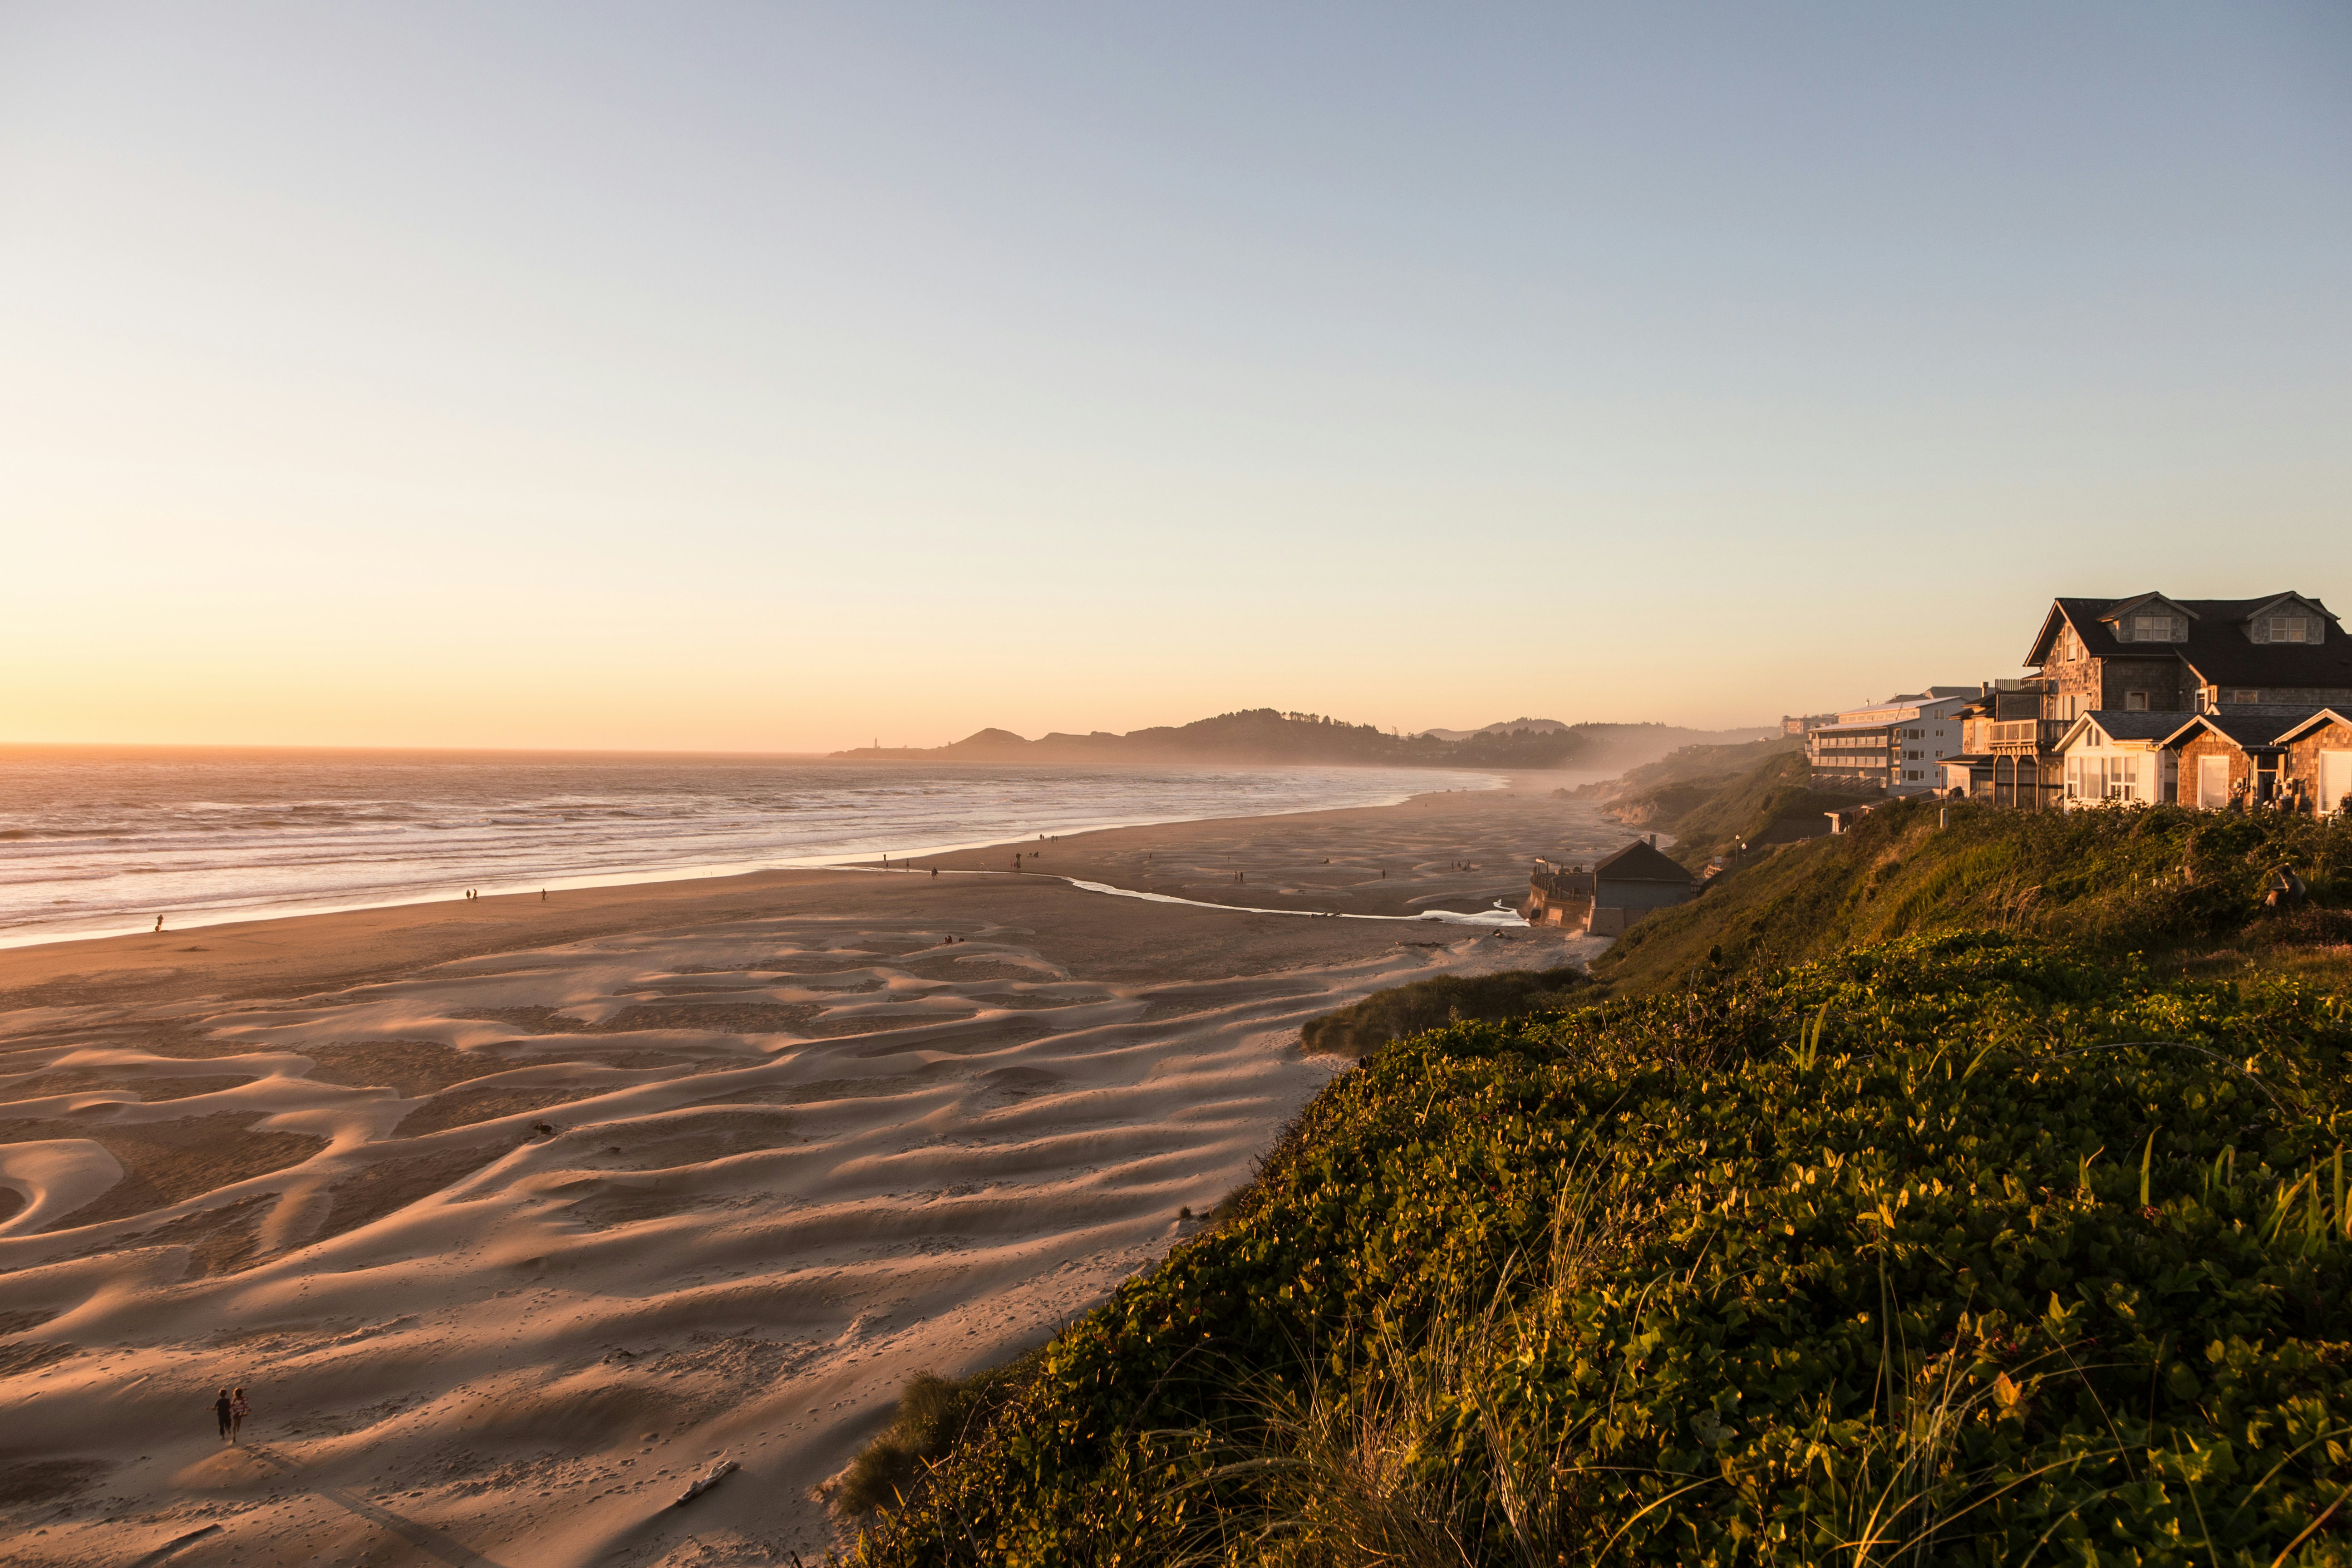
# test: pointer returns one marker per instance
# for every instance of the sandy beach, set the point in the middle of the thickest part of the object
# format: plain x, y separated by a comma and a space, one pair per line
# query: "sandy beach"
512, 1216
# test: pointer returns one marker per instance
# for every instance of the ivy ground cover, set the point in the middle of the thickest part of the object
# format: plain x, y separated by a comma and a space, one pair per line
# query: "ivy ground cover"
1962, 1249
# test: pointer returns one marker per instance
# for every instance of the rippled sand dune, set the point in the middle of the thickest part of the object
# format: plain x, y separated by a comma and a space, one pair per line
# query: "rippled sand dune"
512, 1217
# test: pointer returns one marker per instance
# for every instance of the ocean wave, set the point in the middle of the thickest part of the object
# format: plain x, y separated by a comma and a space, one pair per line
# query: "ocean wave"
209, 840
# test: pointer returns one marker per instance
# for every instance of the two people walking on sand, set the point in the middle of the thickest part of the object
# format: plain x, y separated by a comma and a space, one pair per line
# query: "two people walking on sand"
232, 1410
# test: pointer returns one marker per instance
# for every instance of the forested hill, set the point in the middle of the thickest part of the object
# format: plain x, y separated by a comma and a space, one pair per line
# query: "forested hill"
1264, 735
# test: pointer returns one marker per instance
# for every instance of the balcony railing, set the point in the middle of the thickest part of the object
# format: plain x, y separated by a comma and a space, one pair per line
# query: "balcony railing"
2038, 733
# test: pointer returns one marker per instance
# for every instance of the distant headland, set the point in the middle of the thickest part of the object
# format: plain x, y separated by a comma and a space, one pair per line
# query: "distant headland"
1265, 735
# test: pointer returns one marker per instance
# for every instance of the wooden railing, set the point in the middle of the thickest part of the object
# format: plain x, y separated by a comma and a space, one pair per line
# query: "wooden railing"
2036, 733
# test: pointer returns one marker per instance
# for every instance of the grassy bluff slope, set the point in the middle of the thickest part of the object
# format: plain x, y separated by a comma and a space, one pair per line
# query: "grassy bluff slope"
1883, 1211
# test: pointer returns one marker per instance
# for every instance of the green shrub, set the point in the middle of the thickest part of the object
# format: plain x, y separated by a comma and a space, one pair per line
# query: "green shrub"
1365, 1027
934, 1414
1967, 1247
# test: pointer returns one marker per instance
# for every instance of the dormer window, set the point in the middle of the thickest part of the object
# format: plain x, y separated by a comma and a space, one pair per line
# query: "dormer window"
2158, 628
2289, 628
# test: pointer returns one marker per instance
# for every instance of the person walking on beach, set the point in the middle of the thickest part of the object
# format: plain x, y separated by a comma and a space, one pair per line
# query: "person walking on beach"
225, 1408
238, 1411
159, 922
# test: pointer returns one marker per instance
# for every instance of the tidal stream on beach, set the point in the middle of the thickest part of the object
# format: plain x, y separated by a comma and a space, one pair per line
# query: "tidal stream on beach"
97, 841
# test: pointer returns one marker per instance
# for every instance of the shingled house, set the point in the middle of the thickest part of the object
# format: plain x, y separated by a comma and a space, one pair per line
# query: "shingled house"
2281, 656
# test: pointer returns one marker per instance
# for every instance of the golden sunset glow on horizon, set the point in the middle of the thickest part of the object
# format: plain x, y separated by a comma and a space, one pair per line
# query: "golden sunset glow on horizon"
793, 381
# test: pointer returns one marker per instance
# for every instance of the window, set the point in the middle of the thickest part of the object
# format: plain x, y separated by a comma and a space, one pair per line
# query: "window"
2135, 702
2288, 629
2150, 629
2103, 778
2241, 697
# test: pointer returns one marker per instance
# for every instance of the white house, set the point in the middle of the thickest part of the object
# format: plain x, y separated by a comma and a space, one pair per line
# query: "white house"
1898, 745
2111, 756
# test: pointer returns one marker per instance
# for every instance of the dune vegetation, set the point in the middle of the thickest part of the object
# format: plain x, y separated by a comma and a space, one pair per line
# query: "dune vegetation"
1365, 1027
1908, 1219
2188, 885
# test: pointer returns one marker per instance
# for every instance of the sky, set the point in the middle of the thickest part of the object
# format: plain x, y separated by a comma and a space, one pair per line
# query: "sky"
788, 377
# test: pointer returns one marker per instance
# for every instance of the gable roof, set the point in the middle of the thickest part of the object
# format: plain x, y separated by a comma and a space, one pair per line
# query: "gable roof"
2274, 603
2122, 724
2217, 648
2319, 720
2247, 731
2123, 608
1638, 862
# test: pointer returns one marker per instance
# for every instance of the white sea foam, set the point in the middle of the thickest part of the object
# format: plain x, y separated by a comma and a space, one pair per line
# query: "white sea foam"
97, 843
1498, 916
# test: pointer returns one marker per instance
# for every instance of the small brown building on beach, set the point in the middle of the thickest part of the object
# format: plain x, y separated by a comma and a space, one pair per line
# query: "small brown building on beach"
1617, 891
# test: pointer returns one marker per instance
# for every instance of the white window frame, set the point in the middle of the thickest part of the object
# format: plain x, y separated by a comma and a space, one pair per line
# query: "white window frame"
2334, 780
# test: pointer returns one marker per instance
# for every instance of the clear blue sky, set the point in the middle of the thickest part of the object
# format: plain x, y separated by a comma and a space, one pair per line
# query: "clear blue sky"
787, 377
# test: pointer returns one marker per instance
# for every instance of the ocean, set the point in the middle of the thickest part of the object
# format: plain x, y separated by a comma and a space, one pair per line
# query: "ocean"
98, 841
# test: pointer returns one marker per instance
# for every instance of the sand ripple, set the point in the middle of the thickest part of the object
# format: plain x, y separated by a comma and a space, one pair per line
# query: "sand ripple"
507, 1247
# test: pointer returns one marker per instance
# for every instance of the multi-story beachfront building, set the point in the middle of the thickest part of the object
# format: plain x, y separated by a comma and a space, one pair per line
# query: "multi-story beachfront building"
1897, 746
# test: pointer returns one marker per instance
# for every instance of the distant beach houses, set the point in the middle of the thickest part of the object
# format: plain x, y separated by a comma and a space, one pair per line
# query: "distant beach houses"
2217, 704
2222, 704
